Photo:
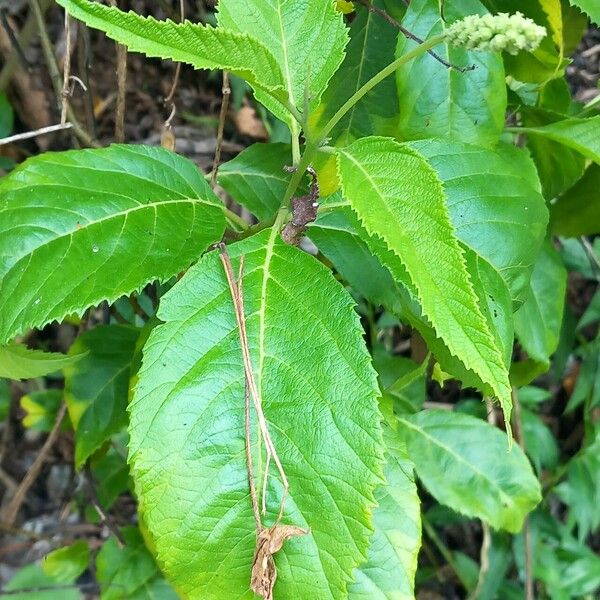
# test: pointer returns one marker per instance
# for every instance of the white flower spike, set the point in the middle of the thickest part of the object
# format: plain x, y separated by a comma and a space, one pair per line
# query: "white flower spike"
496, 33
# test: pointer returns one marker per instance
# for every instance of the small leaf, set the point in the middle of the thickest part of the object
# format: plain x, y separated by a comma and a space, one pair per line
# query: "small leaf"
578, 134
307, 39
96, 389
439, 101
577, 211
110, 221
398, 197
319, 394
390, 570
371, 48
66, 564
464, 464
590, 7
41, 408
255, 178
33, 577
203, 47
19, 362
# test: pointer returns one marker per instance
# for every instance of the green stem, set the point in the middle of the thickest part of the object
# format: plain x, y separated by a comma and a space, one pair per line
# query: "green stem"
369, 85
235, 218
295, 131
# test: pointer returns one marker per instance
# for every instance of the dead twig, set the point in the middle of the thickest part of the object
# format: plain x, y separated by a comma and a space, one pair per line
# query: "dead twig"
31, 134
66, 94
12, 509
121, 88
222, 115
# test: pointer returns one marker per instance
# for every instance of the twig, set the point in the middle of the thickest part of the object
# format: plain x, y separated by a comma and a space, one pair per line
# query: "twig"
13, 39
409, 34
224, 108
238, 302
52, 65
12, 509
83, 65
520, 438
95, 502
171, 94
66, 70
121, 88
31, 134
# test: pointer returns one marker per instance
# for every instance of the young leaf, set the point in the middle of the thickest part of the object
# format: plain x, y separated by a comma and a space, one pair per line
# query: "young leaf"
398, 197
578, 134
439, 101
495, 204
256, 179
66, 564
307, 39
464, 464
392, 564
577, 211
371, 48
96, 389
19, 362
41, 407
203, 47
319, 394
110, 221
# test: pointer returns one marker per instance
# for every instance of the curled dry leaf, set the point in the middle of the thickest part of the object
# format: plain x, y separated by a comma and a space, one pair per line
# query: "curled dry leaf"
270, 541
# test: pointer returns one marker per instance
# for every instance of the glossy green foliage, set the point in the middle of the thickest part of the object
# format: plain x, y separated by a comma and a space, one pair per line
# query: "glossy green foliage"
437, 101
256, 178
392, 562
306, 38
379, 178
371, 47
68, 563
495, 205
130, 572
203, 47
20, 362
577, 211
98, 208
464, 463
187, 425
590, 7
97, 388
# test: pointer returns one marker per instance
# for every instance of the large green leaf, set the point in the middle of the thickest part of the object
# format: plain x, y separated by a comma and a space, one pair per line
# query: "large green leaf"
538, 321
84, 226
97, 388
307, 39
203, 47
590, 7
319, 394
20, 362
577, 211
390, 570
398, 197
438, 101
371, 48
578, 134
495, 204
255, 178
463, 462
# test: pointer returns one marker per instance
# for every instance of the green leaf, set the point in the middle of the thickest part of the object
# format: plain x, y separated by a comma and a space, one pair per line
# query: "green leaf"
464, 464
319, 396
389, 573
579, 134
130, 573
398, 197
577, 211
538, 321
41, 408
438, 101
33, 577
7, 116
97, 388
540, 444
495, 204
255, 178
307, 39
19, 362
371, 48
66, 564
109, 221
203, 47
590, 7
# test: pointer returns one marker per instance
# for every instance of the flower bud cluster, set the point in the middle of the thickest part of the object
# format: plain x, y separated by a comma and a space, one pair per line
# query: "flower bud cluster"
496, 33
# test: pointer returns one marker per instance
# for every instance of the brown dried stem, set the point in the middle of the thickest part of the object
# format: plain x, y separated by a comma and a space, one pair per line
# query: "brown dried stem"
223, 114
121, 88
66, 70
